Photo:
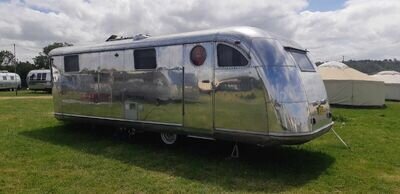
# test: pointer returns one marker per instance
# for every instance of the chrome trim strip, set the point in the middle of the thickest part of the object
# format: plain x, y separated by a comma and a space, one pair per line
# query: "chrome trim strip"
301, 134
239, 131
116, 119
201, 137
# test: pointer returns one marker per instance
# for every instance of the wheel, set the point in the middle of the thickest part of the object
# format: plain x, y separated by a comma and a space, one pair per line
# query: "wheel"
169, 138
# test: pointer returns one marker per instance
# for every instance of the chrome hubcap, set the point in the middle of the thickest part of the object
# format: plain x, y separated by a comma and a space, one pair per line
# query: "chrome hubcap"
169, 138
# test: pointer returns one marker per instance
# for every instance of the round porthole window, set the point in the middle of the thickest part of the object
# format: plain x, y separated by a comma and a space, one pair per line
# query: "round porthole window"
198, 55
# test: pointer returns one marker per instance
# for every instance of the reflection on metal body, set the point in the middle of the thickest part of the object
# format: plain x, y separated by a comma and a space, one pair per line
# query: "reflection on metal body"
39, 80
268, 101
197, 84
78, 91
56, 65
239, 93
159, 92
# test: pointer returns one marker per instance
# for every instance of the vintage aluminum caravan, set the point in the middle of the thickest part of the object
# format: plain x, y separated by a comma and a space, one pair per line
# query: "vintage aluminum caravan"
39, 80
9, 80
238, 84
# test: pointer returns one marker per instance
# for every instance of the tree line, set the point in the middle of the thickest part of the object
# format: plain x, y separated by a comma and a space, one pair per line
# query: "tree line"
41, 61
372, 66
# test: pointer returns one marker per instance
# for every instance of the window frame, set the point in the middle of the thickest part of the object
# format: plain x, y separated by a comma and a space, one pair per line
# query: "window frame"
303, 52
144, 49
238, 49
205, 55
66, 56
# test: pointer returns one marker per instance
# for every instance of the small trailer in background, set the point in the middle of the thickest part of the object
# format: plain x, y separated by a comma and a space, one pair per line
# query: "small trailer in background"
9, 80
39, 80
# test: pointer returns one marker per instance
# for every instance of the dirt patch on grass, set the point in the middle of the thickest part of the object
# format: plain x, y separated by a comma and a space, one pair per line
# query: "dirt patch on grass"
394, 178
24, 97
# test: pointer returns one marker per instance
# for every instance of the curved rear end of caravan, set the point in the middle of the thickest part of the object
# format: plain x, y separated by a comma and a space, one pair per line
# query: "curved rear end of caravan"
297, 107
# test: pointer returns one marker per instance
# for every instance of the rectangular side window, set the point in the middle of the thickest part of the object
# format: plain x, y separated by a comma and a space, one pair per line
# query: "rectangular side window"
145, 59
44, 76
12, 77
71, 63
302, 60
4, 77
39, 76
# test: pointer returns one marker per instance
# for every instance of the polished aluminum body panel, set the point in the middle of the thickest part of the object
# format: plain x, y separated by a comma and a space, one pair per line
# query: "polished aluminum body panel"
79, 90
198, 92
240, 93
158, 93
270, 99
296, 95
57, 66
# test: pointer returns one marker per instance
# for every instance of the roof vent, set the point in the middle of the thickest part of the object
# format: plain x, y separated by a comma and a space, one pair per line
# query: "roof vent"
116, 37
136, 37
141, 36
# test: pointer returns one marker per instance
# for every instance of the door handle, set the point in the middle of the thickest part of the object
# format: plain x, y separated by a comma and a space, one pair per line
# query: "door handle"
205, 81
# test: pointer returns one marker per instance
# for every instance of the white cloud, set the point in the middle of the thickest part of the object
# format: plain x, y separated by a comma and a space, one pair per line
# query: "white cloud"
362, 29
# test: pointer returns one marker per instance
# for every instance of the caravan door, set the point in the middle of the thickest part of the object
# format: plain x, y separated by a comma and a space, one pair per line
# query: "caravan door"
198, 87
239, 93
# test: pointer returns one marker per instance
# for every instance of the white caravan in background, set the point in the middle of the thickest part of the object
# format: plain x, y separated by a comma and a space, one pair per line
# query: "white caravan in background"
9, 80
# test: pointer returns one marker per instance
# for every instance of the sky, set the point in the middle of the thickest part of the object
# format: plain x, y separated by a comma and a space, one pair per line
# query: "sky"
325, 5
329, 29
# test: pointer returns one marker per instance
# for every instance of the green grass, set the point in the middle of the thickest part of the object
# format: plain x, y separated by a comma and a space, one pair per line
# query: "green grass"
23, 92
39, 154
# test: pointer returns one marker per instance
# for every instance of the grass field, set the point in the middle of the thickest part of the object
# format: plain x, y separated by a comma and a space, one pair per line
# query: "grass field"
22, 92
39, 154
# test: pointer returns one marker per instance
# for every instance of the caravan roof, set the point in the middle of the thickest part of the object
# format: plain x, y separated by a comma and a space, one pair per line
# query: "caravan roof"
243, 34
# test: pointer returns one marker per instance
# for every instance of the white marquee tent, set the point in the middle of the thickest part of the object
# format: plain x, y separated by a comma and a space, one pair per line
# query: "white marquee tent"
347, 86
392, 83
